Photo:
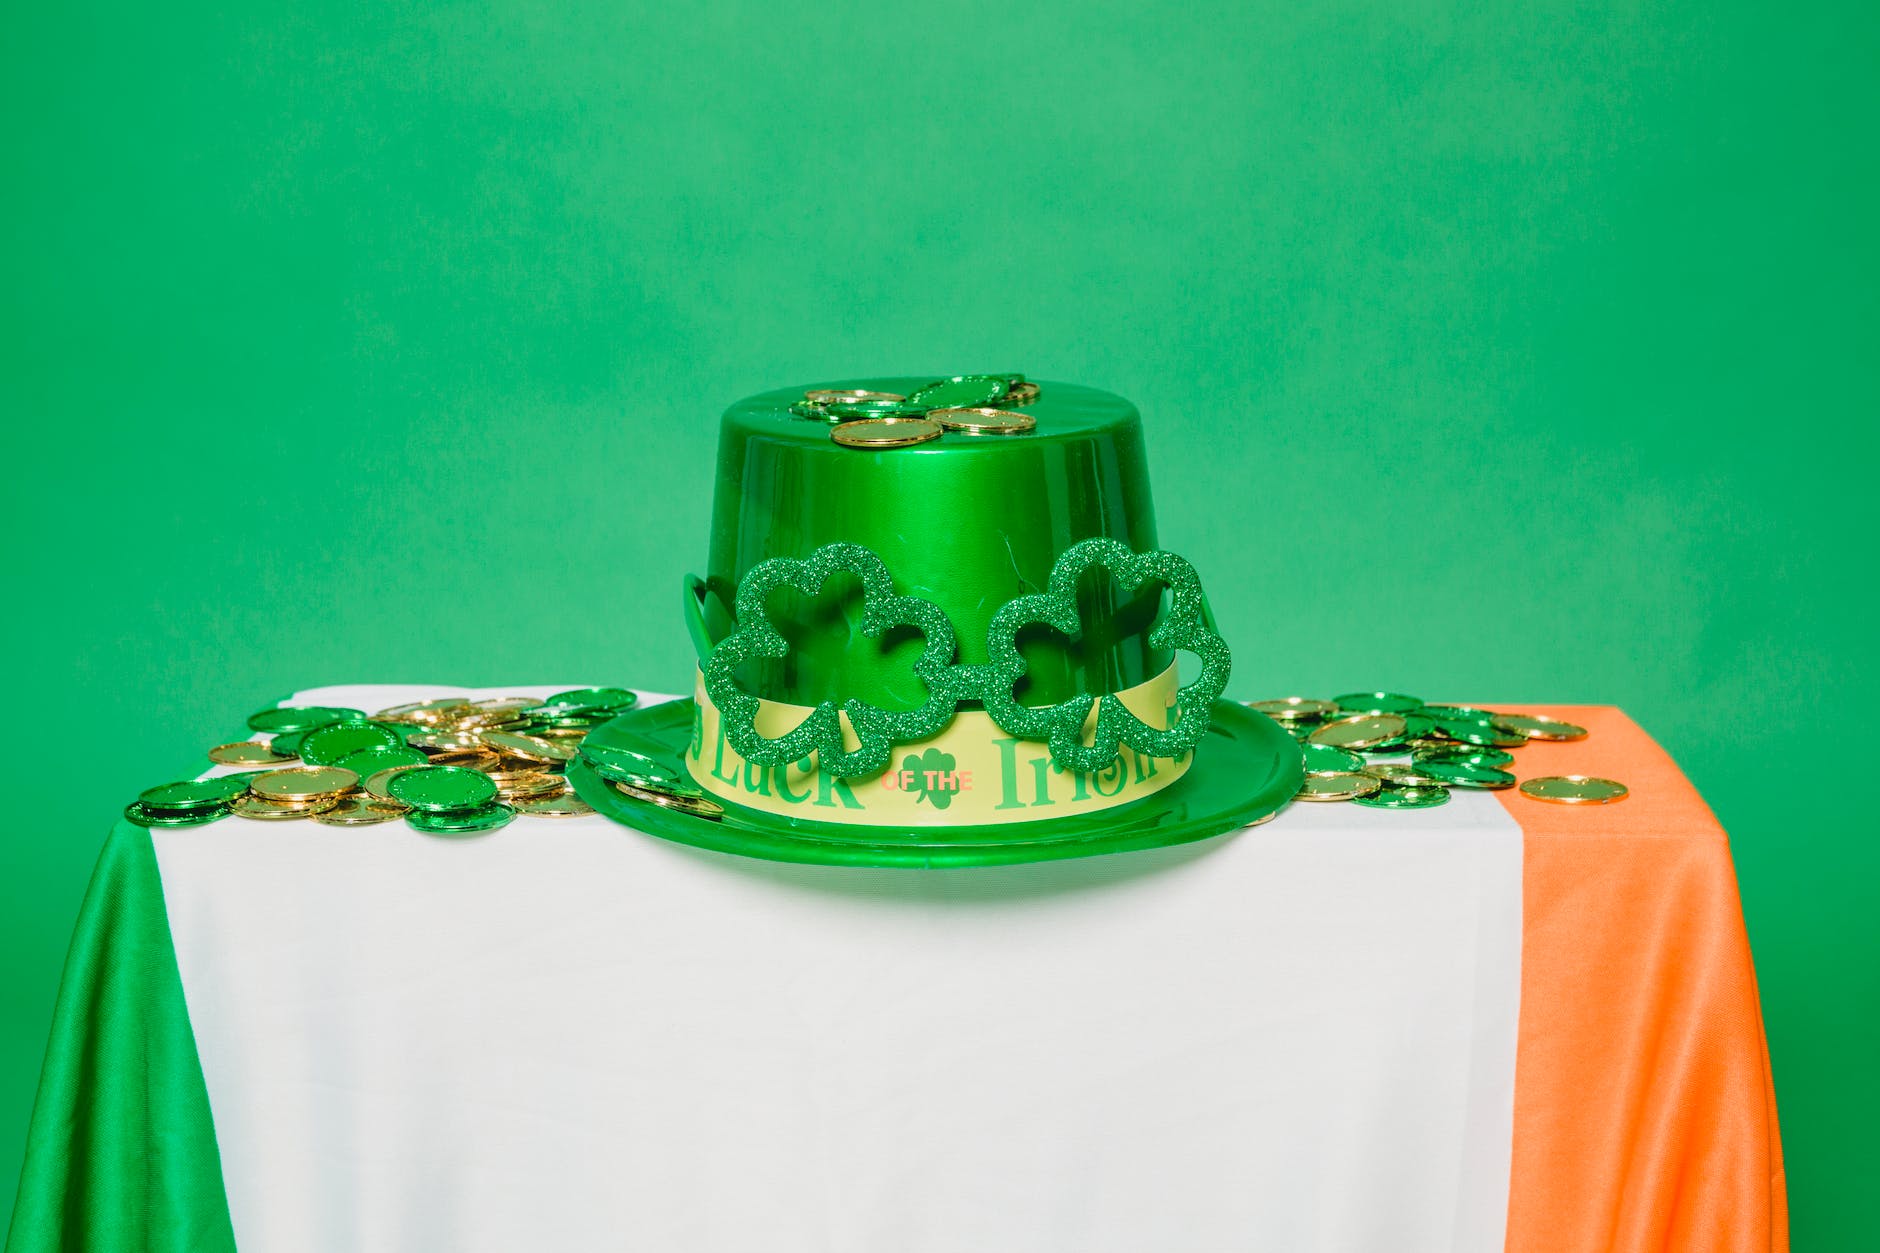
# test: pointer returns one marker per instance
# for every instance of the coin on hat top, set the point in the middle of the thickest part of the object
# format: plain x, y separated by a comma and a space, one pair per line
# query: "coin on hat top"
678, 797
1575, 789
1406, 798
884, 432
1539, 727
1360, 731
1340, 785
1463, 774
246, 753
1020, 393
301, 783
963, 391
848, 395
359, 811
983, 421
530, 747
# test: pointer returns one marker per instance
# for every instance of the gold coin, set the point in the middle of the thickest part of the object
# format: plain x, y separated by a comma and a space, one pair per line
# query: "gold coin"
569, 806
1402, 776
686, 802
983, 421
1539, 727
265, 810
1294, 708
528, 747
444, 741
478, 758
1361, 731
1020, 394
1575, 789
884, 432
376, 782
246, 753
536, 783
1337, 785
844, 396
303, 783
360, 811
422, 711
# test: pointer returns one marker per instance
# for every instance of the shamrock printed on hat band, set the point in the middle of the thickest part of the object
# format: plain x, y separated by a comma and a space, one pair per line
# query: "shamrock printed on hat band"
1185, 627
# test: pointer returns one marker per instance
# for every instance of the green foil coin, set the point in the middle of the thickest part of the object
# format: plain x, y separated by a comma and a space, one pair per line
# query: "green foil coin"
626, 766
1377, 703
146, 816
594, 698
442, 789
369, 761
1462, 774
195, 793
967, 391
325, 746
1405, 798
1471, 756
304, 718
287, 743
1326, 758
487, 817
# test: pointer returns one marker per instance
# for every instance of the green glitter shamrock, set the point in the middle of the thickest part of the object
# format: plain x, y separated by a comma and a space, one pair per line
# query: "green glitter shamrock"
878, 730
1185, 626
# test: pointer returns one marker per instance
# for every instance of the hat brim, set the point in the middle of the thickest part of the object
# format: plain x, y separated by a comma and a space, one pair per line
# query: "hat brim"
1245, 770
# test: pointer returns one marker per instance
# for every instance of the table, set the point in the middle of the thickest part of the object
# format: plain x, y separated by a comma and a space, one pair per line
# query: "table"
1496, 1024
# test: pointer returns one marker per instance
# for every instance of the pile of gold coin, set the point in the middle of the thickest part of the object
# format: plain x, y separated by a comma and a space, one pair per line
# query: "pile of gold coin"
447, 766
966, 404
1390, 751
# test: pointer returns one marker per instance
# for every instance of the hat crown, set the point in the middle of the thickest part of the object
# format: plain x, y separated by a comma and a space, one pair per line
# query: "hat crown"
968, 522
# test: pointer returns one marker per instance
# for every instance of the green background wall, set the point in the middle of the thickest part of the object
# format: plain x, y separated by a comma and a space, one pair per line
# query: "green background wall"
1520, 351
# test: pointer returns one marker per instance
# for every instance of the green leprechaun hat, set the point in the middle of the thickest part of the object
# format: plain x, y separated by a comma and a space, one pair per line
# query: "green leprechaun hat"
936, 628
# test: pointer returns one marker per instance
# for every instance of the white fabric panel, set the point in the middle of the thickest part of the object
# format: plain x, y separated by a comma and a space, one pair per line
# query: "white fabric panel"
568, 1035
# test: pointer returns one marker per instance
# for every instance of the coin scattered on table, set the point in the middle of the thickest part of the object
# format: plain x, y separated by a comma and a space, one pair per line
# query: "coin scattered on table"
247, 753
884, 432
1405, 798
1575, 789
1363, 731
1337, 786
1536, 727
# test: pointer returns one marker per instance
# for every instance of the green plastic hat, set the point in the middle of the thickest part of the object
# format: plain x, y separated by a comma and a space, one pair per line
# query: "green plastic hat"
961, 648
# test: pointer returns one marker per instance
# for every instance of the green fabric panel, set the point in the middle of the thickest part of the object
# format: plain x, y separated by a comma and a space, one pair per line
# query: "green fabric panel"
122, 1152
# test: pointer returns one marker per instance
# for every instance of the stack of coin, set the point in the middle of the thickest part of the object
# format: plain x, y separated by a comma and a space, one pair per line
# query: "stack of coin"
962, 405
648, 781
1392, 751
346, 764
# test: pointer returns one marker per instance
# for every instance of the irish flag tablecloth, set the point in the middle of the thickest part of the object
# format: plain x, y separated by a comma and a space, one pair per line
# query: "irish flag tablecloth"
1496, 1024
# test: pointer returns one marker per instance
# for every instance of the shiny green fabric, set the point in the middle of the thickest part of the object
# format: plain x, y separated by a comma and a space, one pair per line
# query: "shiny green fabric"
122, 1152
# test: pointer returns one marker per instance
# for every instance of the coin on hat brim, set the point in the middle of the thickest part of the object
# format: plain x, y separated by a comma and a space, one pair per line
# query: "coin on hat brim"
849, 395
626, 765
668, 796
1575, 789
262, 809
1539, 727
528, 747
1406, 798
885, 432
1361, 731
1463, 774
246, 753
303, 783
567, 805
359, 811
1339, 785
983, 421
1294, 708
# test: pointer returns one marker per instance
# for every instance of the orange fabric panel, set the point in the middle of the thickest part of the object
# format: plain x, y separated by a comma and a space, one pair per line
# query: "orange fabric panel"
1644, 1114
